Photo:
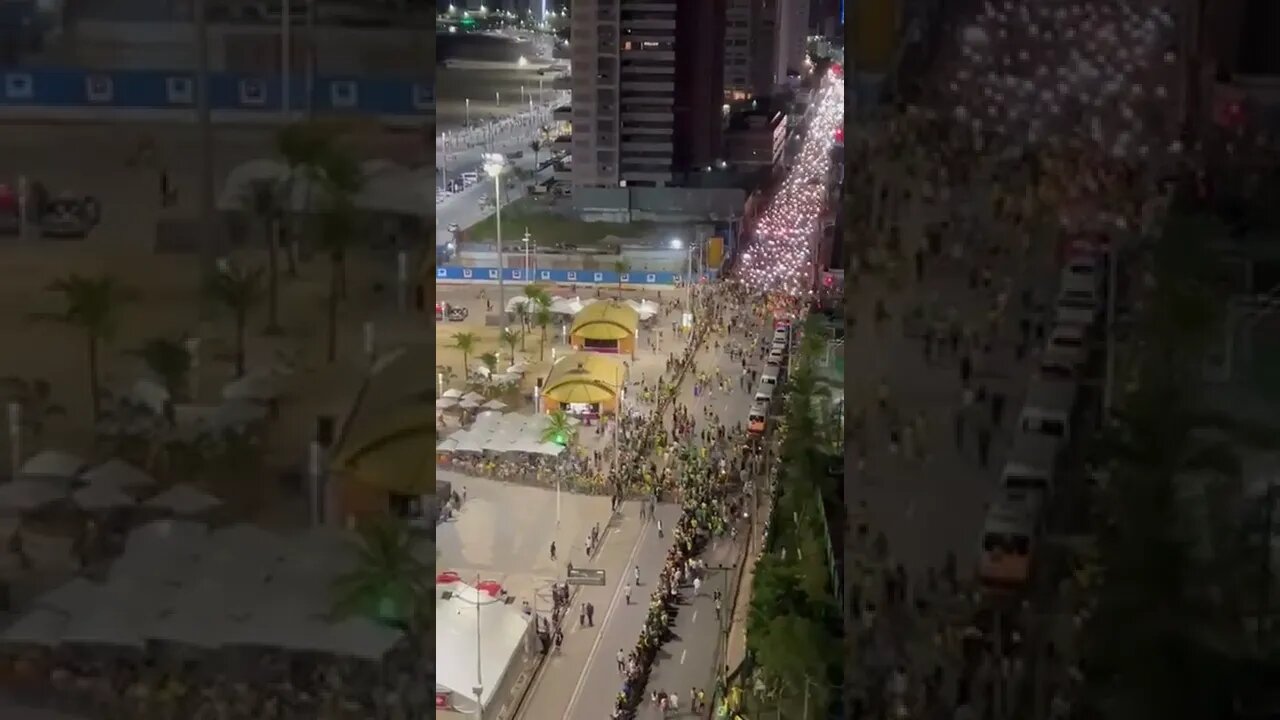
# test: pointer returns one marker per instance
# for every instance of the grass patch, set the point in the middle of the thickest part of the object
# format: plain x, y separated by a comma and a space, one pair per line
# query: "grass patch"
549, 229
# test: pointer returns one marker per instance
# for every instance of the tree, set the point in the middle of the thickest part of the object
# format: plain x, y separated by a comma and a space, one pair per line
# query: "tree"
238, 290
465, 343
542, 318
490, 361
337, 231
620, 267
390, 582
90, 304
560, 428
302, 145
535, 146
35, 398
264, 201
522, 316
510, 338
169, 361
341, 179
446, 375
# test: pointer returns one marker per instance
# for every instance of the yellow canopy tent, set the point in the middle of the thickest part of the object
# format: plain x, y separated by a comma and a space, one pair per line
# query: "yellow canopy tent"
605, 320
585, 378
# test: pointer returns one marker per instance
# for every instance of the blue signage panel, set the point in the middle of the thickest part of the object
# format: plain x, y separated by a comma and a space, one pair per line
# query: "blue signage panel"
558, 277
169, 89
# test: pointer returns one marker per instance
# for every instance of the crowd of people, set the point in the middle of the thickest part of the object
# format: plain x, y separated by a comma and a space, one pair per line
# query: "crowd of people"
524, 126
262, 684
1044, 126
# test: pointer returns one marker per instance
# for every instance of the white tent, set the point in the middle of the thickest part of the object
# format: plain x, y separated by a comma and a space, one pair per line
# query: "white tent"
447, 445
150, 394
260, 385
361, 638
68, 598
445, 403
167, 534
645, 308
52, 464
494, 404
468, 404
567, 306
25, 495
41, 627
474, 397
453, 393
117, 473
102, 497
516, 302
502, 629
104, 623
184, 499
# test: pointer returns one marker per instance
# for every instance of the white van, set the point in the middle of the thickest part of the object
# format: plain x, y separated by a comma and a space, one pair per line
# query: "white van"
1079, 302
1066, 351
1047, 410
1031, 463
764, 393
769, 377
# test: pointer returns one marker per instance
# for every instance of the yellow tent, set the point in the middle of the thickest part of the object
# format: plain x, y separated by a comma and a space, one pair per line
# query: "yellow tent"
605, 320
584, 378
396, 454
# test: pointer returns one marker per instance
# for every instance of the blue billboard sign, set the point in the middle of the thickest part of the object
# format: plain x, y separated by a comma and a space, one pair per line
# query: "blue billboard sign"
557, 277
172, 90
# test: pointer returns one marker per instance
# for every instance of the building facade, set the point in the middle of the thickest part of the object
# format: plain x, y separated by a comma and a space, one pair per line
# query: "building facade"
756, 139
648, 78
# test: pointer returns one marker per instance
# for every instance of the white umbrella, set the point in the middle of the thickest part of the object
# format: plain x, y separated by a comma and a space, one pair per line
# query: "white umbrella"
150, 393
453, 393
102, 497
474, 396
504, 378
518, 368
117, 473
445, 403
52, 464
495, 404
183, 499
516, 302
468, 404
261, 386
487, 414
447, 445
24, 495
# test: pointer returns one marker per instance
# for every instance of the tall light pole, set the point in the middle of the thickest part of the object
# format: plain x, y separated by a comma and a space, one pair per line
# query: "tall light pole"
467, 105
286, 49
528, 241
676, 244
495, 164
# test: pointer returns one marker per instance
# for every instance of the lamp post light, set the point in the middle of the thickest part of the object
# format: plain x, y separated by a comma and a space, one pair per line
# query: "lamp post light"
466, 103
528, 242
495, 164
677, 244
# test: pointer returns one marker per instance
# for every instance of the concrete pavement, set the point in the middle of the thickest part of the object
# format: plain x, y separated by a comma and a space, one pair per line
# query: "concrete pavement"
581, 681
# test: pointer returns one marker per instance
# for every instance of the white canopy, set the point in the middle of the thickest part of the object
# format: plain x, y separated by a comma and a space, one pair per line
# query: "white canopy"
68, 598
468, 404
25, 495
41, 627
262, 385
474, 396
102, 497
518, 368
516, 302
501, 629
445, 403
52, 464
452, 393
645, 308
495, 404
184, 499
117, 473
567, 306
151, 394
447, 445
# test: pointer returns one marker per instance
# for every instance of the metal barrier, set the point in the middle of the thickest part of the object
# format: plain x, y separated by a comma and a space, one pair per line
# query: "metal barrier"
142, 90
560, 277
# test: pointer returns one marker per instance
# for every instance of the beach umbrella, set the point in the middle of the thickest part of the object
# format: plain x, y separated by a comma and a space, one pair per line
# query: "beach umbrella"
495, 404
453, 393
445, 403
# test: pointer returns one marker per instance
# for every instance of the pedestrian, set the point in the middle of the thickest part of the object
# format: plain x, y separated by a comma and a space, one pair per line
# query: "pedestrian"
626, 592
673, 702
622, 662
559, 638
984, 445
659, 528
697, 585
591, 615
717, 608
637, 575
553, 550
582, 615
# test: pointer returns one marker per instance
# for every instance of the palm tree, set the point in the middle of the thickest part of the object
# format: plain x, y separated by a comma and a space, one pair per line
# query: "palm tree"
238, 290
90, 304
168, 360
510, 338
535, 146
34, 397
619, 267
342, 179
542, 318
390, 582
337, 231
490, 361
560, 428
264, 202
522, 316
302, 145
465, 342
446, 374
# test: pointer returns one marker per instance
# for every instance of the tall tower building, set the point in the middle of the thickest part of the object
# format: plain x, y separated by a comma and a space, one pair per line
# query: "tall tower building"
648, 83
738, 83
793, 36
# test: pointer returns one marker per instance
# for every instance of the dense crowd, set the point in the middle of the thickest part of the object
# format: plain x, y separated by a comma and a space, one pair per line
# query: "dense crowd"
491, 132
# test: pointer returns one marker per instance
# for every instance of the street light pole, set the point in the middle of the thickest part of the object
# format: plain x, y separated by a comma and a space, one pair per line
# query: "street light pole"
467, 117
479, 688
495, 164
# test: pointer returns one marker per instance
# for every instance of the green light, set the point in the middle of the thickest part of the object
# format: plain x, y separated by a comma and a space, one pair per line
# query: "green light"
560, 439
468, 22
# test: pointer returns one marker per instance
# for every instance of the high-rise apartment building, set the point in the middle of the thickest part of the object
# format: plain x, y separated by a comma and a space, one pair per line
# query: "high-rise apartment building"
648, 85
738, 84
793, 38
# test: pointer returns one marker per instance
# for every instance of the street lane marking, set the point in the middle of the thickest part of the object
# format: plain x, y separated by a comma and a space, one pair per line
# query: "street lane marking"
613, 604
682, 654
694, 619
